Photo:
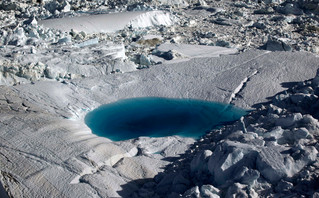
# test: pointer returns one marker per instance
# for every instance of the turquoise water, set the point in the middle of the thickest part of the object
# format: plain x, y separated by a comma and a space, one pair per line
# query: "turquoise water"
159, 117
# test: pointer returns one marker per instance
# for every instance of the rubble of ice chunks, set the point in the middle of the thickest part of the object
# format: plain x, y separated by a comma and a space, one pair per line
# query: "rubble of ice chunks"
87, 59
223, 14
250, 24
15, 73
252, 20
31, 34
24, 16
271, 152
270, 24
20, 29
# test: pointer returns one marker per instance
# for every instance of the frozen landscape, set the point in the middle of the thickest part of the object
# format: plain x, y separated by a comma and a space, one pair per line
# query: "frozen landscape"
61, 59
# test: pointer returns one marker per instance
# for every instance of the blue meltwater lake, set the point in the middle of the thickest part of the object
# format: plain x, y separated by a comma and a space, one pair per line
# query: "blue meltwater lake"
159, 117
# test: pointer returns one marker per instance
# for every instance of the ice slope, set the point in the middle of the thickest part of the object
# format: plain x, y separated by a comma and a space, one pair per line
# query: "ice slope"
110, 22
48, 151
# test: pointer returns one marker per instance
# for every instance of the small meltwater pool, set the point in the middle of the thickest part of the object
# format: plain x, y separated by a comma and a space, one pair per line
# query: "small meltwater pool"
159, 117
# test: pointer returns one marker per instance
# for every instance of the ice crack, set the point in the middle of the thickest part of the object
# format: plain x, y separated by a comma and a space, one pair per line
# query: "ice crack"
234, 95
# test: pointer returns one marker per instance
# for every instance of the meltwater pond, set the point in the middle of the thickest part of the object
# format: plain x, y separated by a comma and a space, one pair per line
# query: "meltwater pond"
159, 117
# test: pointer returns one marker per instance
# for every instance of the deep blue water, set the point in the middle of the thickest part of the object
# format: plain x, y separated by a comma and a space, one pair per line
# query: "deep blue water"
159, 117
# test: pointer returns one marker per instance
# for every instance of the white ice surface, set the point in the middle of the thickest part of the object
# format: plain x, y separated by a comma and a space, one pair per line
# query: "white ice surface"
110, 22
197, 51
52, 156
244, 80
179, 3
187, 51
